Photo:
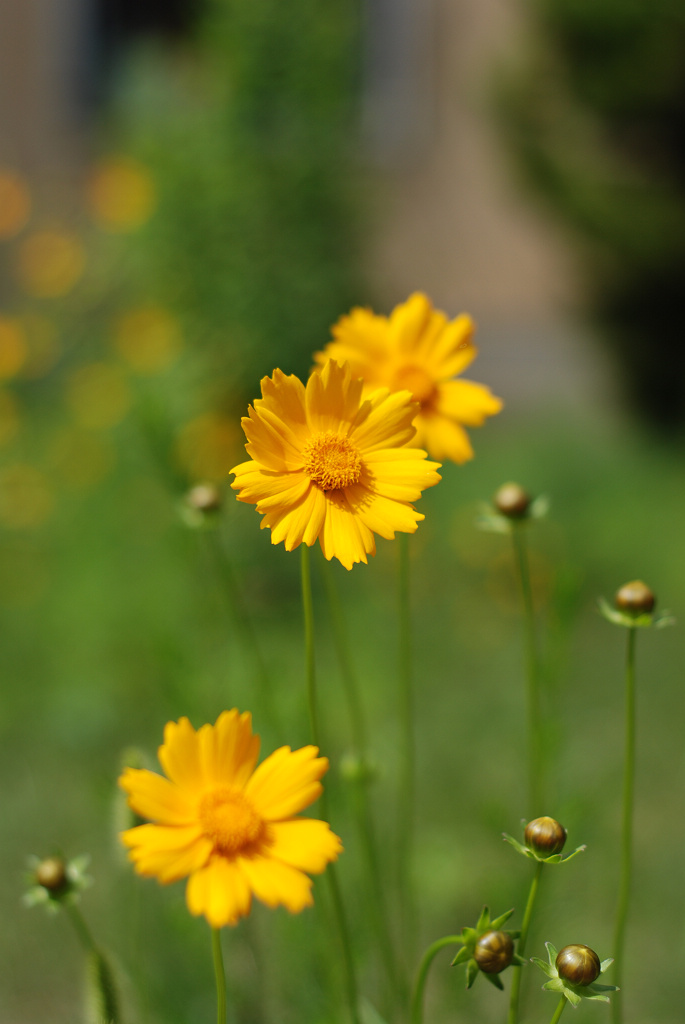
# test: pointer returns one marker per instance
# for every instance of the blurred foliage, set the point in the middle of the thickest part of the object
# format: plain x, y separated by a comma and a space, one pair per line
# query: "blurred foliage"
594, 112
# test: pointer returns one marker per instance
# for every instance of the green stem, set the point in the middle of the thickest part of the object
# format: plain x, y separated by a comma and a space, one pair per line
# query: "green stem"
422, 974
331, 874
627, 828
220, 976
535, 788
521, 946
80, 927
407, 780
377, 904
559, 1010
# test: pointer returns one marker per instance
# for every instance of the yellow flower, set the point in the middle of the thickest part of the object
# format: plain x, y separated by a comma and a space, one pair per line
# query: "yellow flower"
327, 465
228, 826
418, 349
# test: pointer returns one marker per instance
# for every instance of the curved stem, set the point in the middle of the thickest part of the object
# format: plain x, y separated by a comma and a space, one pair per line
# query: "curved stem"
627, 828
377, 882
535, 788
80, 927
331, 874
424, 966
520, 949
219, 975
559, 1010
407, 781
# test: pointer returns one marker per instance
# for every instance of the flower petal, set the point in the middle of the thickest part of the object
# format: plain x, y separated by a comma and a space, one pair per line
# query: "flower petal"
220, 891
408, 320
276, 883
271, 442
444, 438
332, 398
268, 488
384, 421
401, 474
344, 535
230, 750
179, 756
466, 402
382, 515
167, 853
300, 522
286, 782
304, 843
284, 396
152, 796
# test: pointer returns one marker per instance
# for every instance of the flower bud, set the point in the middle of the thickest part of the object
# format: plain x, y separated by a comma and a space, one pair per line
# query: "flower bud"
512, 501
635, 598
204, 498
545, 836
578, 964
51, 873
494, 952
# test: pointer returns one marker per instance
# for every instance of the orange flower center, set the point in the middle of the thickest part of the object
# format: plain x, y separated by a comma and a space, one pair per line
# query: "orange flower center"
332, 461
415, 379
228, 818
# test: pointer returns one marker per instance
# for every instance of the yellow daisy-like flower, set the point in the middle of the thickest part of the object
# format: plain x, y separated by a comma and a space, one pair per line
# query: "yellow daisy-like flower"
328, 465
418, 349
227, 825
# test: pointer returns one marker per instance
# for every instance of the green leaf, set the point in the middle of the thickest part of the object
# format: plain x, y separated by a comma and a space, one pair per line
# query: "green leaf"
483, 923
489, 522
555, 985
570, 856
462, 956
602, 988
472, 972
573, 997
539, 508
606, 964
549, 971
499, 921
552, 953
495, 980
469, 937
519, 847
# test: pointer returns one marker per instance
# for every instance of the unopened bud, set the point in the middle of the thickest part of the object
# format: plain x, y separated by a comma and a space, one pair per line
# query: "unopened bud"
512, 501
204, 498
635, 598
545, 836
51, 873
578, 964
494, 952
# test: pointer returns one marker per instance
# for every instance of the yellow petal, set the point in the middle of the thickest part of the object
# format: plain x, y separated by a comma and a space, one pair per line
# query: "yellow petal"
230, 750
302, 522
152, 796
466, 402
271, 442
401, 474
445, 439
304, 843
332, 398
220, 891
286, 782
277, 884
453, 349
409, 319
383, 515
284, 396
344, 536
268, 488
384, 421
167, 853
179, 756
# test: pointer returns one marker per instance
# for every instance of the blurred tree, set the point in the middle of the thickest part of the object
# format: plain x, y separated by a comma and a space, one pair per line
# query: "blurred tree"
595, 115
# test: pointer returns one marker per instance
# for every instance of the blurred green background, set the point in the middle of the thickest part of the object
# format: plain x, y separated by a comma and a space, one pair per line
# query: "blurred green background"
227, 213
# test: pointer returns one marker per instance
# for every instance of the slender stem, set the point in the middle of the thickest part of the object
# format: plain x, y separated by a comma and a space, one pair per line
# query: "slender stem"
559, 1010
331, 874
220, 976
80, 926
523, 938
377, 882
422, 974
407, 781
627, 829
535, 780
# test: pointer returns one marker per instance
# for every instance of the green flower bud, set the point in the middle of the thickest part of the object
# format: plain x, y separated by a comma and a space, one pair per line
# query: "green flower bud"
578, 964
51, 873
204, 498
635, 598
494, 952
545, 836
512, 501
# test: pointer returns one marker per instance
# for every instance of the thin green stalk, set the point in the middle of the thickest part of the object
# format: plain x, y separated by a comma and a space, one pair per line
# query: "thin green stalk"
331, 874
422, 974
521, 946
407, 780
80, 927
220, 976
627, 828
535, 767
559, 1010
377, 906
